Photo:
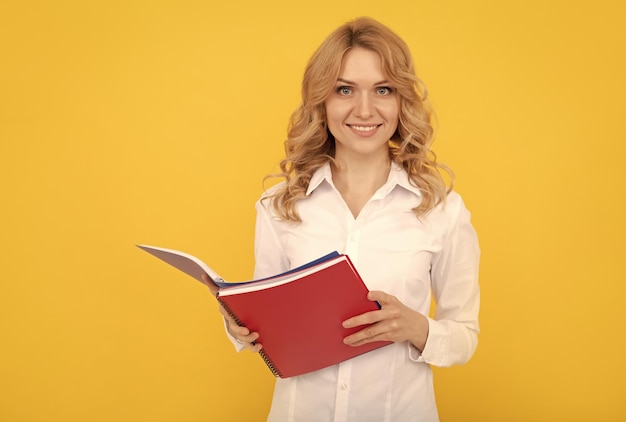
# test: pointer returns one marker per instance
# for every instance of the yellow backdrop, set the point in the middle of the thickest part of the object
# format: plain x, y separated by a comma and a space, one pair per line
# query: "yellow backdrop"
126, 122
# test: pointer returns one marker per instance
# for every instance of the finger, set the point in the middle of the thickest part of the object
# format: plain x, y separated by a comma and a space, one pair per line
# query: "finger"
249, 342
366, 335
363, 319
250, 338
240, 332
381, 297
355, 343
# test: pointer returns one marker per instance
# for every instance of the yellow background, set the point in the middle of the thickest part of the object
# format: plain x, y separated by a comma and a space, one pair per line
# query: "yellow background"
126, 122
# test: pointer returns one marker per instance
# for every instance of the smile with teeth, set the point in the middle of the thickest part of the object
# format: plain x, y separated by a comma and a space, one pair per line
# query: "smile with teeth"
363, 128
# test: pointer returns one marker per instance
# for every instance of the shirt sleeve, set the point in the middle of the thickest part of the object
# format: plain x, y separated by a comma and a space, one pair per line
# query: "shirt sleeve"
453, 332
269, 256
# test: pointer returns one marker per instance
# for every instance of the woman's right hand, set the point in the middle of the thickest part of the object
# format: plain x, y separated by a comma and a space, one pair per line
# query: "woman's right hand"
241, 334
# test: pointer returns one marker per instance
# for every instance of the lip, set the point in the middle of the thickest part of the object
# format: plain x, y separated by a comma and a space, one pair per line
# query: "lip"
364, 131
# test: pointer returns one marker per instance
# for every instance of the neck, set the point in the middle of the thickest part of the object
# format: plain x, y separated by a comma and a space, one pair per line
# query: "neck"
364, 170
358, 180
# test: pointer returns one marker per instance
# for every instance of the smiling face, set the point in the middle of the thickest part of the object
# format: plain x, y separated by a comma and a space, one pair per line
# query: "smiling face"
362, 111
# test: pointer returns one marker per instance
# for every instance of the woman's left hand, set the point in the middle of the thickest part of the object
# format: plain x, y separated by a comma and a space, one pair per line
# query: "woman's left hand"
393, 322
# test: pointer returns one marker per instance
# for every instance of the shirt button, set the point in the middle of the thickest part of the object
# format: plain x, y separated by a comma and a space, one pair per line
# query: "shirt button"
344, 386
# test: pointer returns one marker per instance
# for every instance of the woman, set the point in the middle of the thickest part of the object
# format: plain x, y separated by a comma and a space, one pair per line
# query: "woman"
360, 179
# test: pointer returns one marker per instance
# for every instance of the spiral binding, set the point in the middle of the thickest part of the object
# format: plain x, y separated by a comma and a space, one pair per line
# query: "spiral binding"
268, 361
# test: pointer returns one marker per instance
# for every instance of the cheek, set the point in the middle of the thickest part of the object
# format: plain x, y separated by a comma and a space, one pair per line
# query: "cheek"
392, 115
335, 114
335, 109
334, 127
393, 111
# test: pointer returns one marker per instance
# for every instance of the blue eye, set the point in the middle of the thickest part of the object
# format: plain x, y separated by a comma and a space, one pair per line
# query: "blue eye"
384, 90
344, 90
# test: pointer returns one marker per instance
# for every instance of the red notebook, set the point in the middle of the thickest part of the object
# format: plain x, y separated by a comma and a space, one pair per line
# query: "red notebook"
297, 314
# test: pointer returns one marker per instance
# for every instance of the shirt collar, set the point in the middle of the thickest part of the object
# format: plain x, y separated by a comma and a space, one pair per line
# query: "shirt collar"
397, 177
321, 174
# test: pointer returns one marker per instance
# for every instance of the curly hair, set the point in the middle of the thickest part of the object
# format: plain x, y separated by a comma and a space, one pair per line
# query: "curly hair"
310, 145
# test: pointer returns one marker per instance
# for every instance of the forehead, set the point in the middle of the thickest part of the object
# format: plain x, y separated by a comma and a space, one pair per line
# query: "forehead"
361, 64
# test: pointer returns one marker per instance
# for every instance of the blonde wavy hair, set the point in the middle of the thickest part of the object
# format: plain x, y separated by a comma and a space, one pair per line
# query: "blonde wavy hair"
310, 144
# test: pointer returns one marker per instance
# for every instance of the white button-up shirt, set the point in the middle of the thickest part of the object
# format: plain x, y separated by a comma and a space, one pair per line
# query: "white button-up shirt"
400, 254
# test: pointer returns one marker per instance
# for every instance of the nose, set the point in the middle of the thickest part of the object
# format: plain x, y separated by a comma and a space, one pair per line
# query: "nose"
363, 107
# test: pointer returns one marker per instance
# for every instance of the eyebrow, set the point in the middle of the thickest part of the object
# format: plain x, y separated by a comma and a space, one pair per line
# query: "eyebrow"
345, 81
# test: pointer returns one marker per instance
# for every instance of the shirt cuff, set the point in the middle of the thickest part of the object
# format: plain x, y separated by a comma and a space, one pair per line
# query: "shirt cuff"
436, 344
414, 354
